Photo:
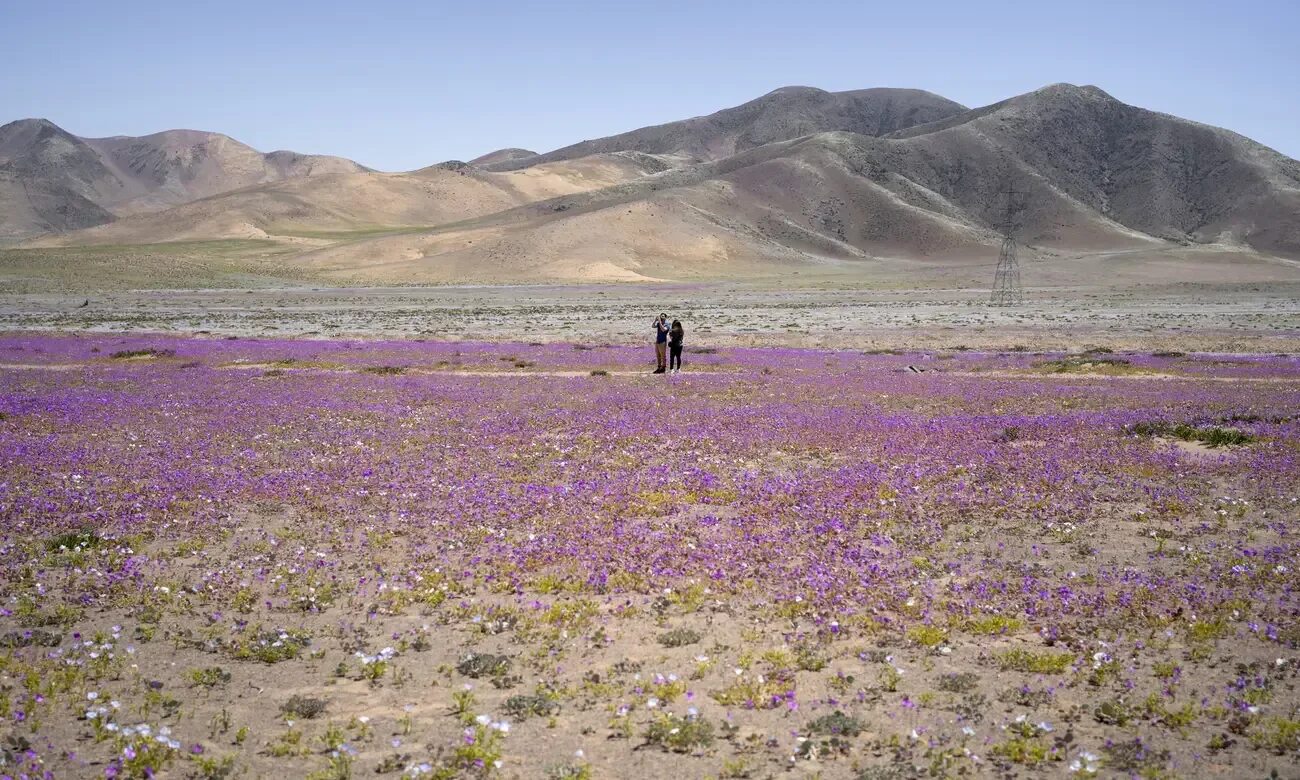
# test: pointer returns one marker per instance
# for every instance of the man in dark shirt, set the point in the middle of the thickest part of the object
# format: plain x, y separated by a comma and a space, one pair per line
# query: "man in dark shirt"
661, 343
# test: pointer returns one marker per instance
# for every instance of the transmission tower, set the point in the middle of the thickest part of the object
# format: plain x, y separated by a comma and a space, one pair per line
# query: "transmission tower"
1006, 280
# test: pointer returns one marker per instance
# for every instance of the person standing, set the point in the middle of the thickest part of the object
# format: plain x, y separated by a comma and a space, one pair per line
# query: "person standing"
661, 344
676, 334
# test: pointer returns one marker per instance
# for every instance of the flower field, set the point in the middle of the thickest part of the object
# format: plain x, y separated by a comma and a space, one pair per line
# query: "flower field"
326, 559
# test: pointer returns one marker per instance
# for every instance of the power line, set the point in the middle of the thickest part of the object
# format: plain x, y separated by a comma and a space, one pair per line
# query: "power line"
1007, 290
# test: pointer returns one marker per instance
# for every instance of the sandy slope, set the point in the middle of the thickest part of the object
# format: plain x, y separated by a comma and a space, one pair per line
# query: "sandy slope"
317, 206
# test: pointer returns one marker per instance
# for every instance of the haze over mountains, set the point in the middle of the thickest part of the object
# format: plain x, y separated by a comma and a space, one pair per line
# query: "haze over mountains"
799, 178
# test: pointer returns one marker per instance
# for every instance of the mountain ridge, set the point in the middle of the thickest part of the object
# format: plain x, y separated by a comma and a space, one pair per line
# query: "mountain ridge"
52, 180
782, 114
1097, 175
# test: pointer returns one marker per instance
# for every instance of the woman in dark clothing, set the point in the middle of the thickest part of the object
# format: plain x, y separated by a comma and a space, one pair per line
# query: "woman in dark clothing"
675, 336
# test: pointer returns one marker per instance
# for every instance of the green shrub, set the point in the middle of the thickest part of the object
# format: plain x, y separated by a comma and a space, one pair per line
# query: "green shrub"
1020, 660
123, 354
927, 636
679, 735
305, 707
679, 637
85, 539
1278, 734
993, 625
208, 677
1213, 436
837, 723
523, 706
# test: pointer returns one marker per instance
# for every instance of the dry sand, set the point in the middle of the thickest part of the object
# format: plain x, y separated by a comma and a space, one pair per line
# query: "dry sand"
1222, 318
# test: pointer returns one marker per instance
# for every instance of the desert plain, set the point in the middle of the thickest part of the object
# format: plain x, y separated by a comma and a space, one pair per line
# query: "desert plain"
308, 470
871, 531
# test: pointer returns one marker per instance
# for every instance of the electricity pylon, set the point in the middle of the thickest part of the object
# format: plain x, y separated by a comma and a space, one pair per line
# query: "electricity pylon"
1006, 280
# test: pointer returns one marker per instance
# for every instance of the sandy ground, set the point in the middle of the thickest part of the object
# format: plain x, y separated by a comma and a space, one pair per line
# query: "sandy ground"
1217, 317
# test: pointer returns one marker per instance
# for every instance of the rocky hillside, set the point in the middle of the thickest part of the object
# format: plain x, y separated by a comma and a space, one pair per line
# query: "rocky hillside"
780, 115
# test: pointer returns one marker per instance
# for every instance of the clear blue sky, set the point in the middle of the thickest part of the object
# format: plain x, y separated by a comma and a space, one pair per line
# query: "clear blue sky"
398, 84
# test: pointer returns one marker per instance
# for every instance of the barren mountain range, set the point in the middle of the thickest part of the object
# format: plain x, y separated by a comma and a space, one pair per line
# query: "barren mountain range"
799, 178
51, 180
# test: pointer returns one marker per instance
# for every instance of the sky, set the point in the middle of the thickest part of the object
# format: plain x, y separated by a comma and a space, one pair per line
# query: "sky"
400, 84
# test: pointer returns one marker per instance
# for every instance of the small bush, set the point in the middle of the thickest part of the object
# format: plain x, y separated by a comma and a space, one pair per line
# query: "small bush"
1134, 756
213, 767
1009, 434
1148, 428
1113, 713
679, 735
599, 372
1024, 696
305, 707
1207, 630
994, 625
679, 637
1023, 750
208, 677
1034, 663
524, 706
836, 724
269, 647
808, 659
1213, 436
927, 636
963, 682
72, 540
385, 370
1278, 734
152, 352
37, 637
750, 693
569, 772
478, 665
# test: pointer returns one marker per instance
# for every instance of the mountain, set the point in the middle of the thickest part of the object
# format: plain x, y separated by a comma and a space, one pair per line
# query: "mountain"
318, 207
52, 180
789, 112
503, 156
1093, 176
1162, 176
